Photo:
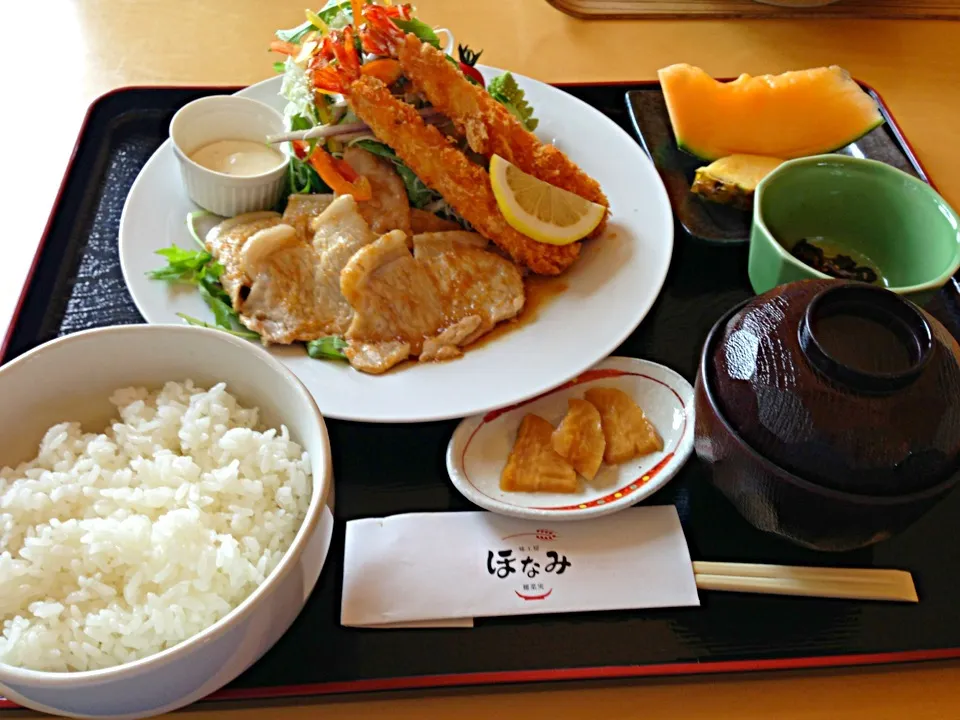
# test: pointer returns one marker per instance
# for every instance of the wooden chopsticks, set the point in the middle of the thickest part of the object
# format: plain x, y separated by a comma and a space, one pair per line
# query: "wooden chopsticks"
853, 583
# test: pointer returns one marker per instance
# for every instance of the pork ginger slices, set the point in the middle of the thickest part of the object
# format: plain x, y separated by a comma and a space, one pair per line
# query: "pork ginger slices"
429, 303
283, 283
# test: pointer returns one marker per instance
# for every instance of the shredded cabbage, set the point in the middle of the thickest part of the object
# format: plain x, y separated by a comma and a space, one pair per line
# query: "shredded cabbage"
297, 90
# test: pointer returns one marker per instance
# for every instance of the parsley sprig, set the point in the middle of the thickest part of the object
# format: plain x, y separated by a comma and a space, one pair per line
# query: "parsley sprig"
199, 269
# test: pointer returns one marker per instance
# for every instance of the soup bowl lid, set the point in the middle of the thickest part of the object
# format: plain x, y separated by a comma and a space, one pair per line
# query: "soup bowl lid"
845, 384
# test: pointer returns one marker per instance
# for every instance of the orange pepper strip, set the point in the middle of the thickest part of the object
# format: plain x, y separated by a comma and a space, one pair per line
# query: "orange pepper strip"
285, 48
386, 70
330, 172
346, 170
357, 7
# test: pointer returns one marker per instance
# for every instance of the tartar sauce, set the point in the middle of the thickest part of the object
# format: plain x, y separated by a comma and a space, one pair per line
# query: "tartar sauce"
237, 157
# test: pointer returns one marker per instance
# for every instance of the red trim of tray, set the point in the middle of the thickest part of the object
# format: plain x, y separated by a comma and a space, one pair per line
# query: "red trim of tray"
588, 673
511, 676
46, 231
611, 672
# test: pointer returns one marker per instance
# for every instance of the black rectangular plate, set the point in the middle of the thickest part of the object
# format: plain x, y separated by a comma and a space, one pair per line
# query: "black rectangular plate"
77, 284
721, 223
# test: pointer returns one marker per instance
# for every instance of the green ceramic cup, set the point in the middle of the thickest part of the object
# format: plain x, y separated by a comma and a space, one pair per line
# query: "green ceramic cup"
864, 208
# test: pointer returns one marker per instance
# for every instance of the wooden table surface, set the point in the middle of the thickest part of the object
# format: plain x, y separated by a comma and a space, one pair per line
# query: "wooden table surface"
60, 55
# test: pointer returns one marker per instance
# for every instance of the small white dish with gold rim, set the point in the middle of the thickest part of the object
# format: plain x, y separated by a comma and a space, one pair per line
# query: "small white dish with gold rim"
480, 445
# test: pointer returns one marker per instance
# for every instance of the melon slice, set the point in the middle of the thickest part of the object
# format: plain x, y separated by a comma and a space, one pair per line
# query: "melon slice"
796, 114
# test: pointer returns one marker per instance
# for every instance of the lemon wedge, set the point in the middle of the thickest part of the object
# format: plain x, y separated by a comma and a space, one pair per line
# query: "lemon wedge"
539, 210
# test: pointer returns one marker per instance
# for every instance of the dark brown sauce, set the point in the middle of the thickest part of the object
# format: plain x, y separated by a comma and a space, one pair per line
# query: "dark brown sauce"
863, 344
540, 291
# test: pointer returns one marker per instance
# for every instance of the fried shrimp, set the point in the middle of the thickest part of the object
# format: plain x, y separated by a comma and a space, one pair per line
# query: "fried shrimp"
462, 183
489, 127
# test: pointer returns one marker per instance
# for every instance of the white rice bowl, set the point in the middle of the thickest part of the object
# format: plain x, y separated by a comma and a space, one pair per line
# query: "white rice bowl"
117, 545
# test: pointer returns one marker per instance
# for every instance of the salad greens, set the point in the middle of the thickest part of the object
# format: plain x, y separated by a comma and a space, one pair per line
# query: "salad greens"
296, 88
303, 179
335, 14
306, 109
245, 334
198, 268
419, 28
419, 194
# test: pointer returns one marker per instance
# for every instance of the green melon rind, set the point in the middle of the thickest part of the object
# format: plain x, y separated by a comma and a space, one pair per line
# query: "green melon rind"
708, 157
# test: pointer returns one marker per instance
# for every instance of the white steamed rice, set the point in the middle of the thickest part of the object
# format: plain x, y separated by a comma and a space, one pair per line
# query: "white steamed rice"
118, 545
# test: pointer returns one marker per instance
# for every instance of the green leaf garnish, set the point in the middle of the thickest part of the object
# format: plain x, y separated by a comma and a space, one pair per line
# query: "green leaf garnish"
327, 348
223, 313
299, 122
302, 179
336, 14
245, 334
182, 265
191, 218
418, 193
199, 269
504, 89
419, 28
279, 67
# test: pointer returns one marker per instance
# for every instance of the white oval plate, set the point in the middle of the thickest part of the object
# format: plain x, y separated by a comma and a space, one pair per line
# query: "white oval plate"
610, 288
480, 445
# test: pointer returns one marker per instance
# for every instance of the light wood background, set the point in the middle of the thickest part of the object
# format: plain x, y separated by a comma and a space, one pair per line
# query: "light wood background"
59, 55
855, 9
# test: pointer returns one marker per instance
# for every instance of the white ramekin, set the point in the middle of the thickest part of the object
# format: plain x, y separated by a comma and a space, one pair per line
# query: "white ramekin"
226, 117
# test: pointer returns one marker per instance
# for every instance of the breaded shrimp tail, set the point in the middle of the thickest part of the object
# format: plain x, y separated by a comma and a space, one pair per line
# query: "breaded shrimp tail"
489, 127
462, 183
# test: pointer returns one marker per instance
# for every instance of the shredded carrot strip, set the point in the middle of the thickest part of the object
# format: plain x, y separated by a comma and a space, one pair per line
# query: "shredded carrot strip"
285, 48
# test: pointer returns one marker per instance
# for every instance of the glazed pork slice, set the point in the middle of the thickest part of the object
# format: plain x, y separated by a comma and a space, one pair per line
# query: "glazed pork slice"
472, 279
339, 232
226, 240
284, 286
426, 304
394, 301
302, 209
269, 275
389, 208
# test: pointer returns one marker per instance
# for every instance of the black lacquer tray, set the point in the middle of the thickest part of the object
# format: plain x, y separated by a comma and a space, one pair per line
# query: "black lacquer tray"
77, 284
